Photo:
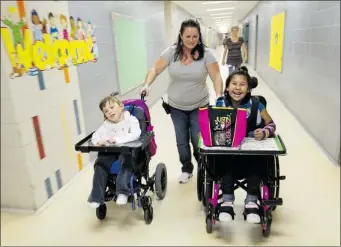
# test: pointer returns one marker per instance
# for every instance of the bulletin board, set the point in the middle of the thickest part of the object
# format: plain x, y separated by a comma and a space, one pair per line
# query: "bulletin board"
276, 41
130, 51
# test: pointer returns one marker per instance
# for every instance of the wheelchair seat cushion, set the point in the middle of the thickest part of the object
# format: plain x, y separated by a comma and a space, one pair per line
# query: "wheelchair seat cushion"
115, 167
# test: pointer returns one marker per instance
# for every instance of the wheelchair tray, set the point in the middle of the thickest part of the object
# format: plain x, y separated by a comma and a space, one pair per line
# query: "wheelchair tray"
86, 146
250, 146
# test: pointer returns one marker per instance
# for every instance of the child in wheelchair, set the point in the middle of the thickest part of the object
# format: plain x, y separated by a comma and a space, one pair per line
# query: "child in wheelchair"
119, 127
238, 94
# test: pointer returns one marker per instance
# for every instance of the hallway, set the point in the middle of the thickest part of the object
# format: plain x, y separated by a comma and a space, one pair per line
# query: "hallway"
310, 214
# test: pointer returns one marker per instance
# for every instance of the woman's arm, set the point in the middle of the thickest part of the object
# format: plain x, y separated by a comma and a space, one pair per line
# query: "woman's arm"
244, 52
154, 71
224, 55
214, 72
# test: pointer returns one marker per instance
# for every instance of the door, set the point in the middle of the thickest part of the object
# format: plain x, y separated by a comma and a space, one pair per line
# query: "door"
256, 44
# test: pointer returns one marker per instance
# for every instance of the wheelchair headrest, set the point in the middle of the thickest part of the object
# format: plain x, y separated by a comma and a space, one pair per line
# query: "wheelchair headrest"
253, 82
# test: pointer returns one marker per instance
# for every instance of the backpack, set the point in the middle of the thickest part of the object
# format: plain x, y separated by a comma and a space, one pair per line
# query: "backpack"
130, 105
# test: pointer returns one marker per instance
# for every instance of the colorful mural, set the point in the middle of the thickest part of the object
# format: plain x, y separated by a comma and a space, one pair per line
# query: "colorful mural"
51, 42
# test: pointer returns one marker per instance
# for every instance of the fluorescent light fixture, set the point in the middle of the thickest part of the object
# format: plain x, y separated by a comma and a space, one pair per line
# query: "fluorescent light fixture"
220, 9
230, 13
216, 2
221, 17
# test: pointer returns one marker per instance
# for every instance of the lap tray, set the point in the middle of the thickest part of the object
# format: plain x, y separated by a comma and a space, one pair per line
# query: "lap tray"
249, 146
86, 146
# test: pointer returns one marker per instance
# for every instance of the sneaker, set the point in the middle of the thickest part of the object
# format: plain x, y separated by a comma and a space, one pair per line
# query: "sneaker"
121, 199
226, 212
184, 178
95, 204
252, 213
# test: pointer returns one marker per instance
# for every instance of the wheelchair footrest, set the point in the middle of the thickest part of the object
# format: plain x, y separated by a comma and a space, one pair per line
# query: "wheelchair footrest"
273, 202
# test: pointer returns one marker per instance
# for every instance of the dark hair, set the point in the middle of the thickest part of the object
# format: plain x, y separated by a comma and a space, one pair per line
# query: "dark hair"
252, 82
34, 13
200, 47
50, 15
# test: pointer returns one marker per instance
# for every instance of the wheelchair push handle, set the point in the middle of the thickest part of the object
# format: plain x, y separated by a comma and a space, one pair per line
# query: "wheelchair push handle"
143, 95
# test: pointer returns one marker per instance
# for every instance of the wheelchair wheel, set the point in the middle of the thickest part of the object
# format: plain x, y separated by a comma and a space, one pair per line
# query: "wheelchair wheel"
161, 181
101, 212
200, 182
209, 225
266, 227
148, 215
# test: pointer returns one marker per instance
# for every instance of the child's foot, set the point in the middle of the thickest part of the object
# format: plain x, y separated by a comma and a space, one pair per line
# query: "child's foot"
121, 199
226, 212
95, 204
184, 177
252, 213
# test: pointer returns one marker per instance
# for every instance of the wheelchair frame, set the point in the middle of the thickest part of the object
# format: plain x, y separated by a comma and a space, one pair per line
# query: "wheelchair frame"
208, 185
157, 183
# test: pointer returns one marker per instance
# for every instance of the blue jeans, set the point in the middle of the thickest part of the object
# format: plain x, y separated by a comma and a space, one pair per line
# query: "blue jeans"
186, 127
233, 67
102, 167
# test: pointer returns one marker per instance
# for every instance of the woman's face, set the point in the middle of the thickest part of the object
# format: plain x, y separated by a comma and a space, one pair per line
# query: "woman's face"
238, 88
234, 32
190, 37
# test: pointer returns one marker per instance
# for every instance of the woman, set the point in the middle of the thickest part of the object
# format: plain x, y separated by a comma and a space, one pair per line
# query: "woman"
189, 63
233, 51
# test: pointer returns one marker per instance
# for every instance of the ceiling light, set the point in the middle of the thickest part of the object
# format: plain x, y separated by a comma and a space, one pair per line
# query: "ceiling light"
222, 13
221, 17
220, 9
215, 2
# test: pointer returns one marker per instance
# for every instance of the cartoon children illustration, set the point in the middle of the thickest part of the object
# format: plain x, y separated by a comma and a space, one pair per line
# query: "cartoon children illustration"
16, 25
91, 33
18, 69
53, 28
43, 23
37, 26
64, 26
80, 30
73, 28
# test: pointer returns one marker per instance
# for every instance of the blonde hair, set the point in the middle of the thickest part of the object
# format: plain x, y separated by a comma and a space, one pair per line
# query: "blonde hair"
109, 99
234, 28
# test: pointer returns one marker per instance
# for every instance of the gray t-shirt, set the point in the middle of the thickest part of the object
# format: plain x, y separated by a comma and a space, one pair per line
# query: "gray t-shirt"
188, 90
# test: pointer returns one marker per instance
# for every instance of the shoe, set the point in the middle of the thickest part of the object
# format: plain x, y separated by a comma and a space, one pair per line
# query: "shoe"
184, 177
226, 212
95, 204
252, 213
121, 199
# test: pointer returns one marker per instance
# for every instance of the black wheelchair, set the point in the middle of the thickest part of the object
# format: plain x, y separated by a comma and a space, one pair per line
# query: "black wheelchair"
140, 182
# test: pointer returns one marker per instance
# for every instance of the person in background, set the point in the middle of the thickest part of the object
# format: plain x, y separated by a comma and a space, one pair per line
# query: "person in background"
189, 62
233, 56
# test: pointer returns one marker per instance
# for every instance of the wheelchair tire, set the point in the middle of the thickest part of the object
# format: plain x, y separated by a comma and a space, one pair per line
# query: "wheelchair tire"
209, 225
199, 183
161, 181
267, 228
101, 212
148, 215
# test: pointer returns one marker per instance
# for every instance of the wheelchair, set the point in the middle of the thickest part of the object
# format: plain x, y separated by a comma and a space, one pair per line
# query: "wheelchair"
140, 181
209, 182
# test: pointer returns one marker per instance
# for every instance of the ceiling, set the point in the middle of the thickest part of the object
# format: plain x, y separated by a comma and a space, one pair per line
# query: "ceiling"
211, 12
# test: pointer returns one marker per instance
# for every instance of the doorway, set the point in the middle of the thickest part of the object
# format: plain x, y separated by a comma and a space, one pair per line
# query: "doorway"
256, 44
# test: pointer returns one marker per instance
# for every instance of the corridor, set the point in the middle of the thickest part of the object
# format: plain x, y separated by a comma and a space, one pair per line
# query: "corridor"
310, 214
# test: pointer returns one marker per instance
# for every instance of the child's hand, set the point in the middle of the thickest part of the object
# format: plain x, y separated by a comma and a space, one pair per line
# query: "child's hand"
259, 134
102, 142
112, 140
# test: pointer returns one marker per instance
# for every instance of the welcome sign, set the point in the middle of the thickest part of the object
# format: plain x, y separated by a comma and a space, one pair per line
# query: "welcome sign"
48, 43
